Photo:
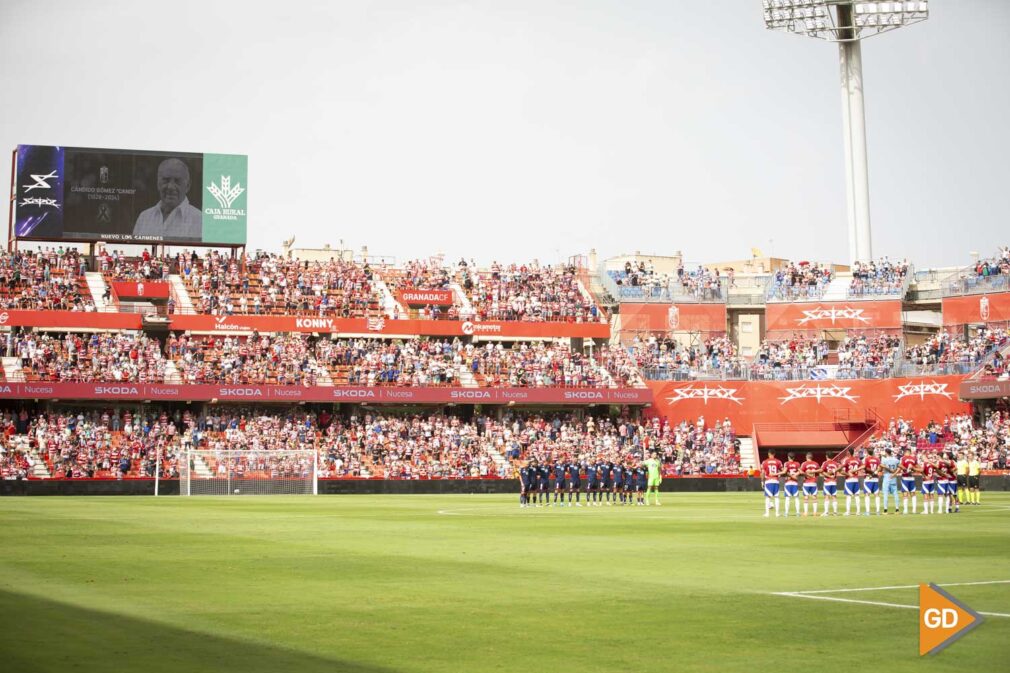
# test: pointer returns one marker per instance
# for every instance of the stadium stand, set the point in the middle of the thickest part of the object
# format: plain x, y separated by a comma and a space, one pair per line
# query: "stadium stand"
799, 281
878, 279
48, 280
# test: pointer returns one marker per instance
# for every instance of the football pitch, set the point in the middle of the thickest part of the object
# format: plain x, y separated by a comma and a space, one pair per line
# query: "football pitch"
473, 583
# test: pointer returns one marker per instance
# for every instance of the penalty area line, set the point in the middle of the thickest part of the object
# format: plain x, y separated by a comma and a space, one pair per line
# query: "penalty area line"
793, 594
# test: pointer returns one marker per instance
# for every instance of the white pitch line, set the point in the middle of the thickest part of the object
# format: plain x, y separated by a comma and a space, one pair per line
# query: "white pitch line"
877, 603
904, 586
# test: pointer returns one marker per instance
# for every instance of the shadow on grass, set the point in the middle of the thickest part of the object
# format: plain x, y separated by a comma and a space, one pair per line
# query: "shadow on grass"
42, 635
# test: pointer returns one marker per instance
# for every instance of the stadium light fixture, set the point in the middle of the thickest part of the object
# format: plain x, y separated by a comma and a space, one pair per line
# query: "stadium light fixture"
847, 22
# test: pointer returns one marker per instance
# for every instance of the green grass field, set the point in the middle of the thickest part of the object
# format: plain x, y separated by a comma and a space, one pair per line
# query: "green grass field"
472, 583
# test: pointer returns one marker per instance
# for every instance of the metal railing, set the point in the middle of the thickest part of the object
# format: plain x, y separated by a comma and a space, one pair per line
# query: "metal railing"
895, 292
673, 292
774, 292
967, 282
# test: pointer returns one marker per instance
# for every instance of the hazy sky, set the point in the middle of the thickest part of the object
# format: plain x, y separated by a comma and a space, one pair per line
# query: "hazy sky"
518, 130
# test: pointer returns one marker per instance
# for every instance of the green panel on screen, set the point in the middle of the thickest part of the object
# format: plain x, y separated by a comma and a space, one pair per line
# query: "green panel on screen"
225, 195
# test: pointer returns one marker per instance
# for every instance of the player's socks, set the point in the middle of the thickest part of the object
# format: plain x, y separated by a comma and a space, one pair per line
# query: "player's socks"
806, 508
776, 501
835, 505
876, 502
848, 504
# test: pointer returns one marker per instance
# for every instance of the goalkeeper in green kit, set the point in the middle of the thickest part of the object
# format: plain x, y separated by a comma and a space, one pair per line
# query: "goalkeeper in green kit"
655, 477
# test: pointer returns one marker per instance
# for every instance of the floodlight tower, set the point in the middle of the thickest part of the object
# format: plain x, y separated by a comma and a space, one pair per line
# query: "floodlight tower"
847, 22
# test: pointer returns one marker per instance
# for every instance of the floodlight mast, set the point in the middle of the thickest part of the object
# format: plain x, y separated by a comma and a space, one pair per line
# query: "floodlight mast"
850, 22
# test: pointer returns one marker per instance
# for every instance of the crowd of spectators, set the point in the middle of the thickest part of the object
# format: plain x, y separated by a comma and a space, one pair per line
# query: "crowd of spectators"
663, 357
281, 359
684, 448
882, 277
776, 357
372, 362
799, 281
270, 284
115, 265
955, 352
639, 279
127, 357
51, 279
120, 443
527, 292
990, 439
865, 355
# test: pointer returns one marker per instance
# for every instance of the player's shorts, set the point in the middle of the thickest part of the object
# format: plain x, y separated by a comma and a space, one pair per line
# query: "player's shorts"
927, 488
574, 483
545, 485
962, 480
607, 484
524, 486
639, 487
952, 487
628, 484
871, 486
791, 489
592, 485
942, 487
831, 488
973, 481
852, 487
890, 486
810, 488
771, 488
559, 484
908, 484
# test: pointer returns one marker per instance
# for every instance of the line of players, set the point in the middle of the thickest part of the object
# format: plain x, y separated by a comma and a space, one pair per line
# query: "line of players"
615, 481
940, 474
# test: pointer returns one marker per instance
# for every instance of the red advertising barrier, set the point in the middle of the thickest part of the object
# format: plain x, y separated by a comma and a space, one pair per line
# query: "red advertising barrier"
976, 309
425, 297
290, 323
271, 323
143, 289
110, 321
919, 399
673, 317
840, 315
377, 395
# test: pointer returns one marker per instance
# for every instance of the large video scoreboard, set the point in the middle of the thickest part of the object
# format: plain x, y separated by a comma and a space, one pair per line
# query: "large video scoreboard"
129, 196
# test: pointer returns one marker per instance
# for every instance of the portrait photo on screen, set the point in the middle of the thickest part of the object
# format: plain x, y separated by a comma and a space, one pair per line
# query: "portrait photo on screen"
133, 196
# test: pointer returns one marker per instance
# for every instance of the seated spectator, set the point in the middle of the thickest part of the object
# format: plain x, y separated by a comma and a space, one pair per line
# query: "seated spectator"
878, 278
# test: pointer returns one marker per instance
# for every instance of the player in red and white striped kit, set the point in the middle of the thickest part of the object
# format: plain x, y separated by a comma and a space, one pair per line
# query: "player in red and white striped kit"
852, 468
771, 468
810, 469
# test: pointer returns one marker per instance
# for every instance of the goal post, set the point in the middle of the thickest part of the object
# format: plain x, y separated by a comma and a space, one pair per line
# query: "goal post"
249, 472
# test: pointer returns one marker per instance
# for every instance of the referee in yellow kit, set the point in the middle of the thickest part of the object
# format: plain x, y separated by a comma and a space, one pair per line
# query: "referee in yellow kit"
962, 479
974, 468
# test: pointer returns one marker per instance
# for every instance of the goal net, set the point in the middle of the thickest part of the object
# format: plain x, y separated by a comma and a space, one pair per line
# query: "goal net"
248, 473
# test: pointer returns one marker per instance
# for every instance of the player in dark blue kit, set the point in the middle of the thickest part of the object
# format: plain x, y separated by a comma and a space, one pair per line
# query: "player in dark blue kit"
607, 481
560, 482
629, 483
641, 481
574, 482
525, 481
544, 485
592, 483
617, 477
602, 476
